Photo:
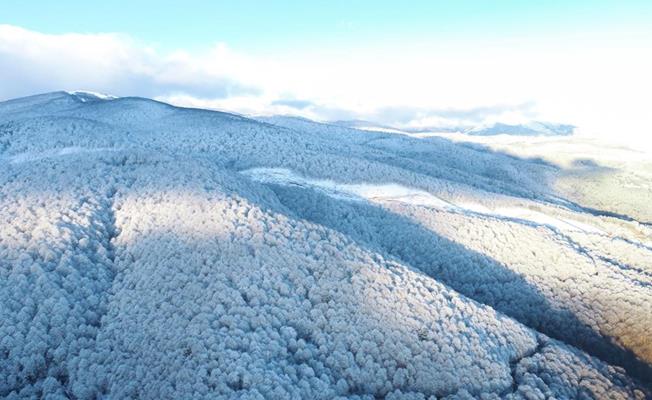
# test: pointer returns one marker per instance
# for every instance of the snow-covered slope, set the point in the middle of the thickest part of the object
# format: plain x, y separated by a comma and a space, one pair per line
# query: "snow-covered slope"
159, 252
85, 95
534, 128
531, 128
367, 126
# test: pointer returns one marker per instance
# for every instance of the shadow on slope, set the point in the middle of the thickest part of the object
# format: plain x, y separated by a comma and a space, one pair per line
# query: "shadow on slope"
209, 294
471, 273
208, 297
391, 234
243, 265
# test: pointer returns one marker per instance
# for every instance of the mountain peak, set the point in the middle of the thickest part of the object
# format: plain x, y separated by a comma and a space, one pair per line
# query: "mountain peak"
87, 95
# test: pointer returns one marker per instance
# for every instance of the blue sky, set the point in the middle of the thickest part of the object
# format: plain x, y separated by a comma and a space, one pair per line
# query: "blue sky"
413, 63
286, 25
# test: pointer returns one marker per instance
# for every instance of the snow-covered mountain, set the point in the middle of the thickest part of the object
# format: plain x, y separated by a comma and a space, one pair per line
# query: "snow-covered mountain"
85, 95
367, 126
160, 252
534, 128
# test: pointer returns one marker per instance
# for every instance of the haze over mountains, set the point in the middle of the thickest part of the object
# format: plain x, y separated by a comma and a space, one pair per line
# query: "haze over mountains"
153, 251
532, 128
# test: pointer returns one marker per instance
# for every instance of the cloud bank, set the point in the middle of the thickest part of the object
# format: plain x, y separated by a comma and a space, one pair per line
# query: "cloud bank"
34, 62
597, 84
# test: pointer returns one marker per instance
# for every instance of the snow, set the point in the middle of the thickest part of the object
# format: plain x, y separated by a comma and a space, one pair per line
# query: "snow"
354, 192
531, 128
525, 128
534, 217
86, 95
159, 252
402, 194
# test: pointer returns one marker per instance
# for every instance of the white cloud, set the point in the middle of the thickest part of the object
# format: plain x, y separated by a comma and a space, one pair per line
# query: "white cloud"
33, 62
598, 84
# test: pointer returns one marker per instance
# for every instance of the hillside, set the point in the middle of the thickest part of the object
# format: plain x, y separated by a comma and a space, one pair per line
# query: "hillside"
153, 251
